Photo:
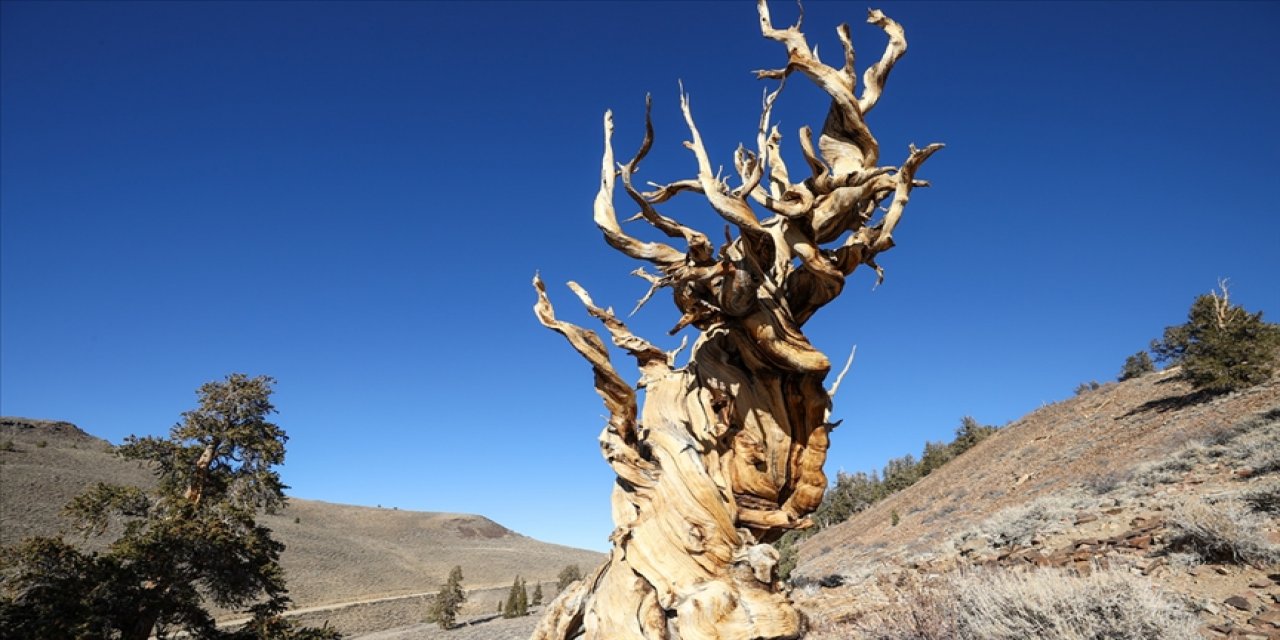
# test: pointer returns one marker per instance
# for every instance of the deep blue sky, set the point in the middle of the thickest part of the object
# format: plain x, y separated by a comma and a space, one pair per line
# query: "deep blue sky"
354, 197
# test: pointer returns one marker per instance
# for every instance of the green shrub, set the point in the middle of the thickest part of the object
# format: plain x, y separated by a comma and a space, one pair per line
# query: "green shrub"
1086, 387
568, 575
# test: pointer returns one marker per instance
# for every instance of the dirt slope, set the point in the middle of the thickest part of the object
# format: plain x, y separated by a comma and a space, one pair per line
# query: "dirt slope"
1105, 480
334, 553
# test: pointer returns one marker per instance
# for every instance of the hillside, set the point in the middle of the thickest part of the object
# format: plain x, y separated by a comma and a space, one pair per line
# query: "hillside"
1134, 481
334, 553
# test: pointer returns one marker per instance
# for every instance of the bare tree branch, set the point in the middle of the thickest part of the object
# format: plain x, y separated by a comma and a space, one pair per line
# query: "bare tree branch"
618, 397
607, 220
876, 75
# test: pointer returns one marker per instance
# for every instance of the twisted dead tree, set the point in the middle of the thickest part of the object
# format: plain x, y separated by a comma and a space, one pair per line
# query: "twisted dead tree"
727, 453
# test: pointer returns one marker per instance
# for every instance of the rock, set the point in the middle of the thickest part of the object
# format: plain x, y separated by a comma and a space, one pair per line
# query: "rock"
1224, 628
1244, 472
1140, 542
1266, 618
1083, 518
1158, 562
1240, 602
1260, 583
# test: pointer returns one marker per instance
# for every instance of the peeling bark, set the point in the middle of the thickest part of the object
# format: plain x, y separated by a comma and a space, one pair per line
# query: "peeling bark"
726, 454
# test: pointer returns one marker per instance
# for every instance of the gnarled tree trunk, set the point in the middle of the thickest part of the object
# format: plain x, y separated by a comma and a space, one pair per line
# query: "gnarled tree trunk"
727, 453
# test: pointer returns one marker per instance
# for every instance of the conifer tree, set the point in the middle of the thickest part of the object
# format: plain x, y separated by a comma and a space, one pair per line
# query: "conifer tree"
522, 599
517, 600
443, 609
537, 595
935, 455
1222, 347
191, 541
970, 433
1136, 365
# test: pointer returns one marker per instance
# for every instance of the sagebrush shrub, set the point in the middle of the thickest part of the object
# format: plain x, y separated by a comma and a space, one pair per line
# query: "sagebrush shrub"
1043, 604
1264, 499
1221, 533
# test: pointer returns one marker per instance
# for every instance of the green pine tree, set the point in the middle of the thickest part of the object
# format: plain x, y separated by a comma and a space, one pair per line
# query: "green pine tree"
522, 599
1222, 347
971, 432
443, 609
1136, 365
512, 608
537, 595
191, 541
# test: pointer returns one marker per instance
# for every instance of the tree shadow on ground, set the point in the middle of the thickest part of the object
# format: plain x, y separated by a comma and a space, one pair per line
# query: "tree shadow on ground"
1172, 403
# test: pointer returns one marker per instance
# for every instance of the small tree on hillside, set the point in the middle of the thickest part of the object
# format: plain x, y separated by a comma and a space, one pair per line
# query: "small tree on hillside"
193, 537
900, 473
1136, 365
969, 434
935, 455
443, 609
1222, 347
537, 595
568, 576
517, 600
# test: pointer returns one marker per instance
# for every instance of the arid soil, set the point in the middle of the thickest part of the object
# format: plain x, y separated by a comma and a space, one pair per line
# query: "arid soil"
1128, 478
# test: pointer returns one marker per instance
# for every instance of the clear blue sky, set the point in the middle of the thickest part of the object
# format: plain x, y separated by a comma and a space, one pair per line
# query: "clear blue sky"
353, 198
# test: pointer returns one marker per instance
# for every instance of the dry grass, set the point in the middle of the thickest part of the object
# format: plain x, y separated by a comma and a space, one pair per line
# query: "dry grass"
1263, 499
1018, 524
1221, 533
1048, 605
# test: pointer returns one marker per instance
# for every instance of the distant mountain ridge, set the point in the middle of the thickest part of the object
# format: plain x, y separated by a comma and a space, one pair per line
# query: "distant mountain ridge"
14, 426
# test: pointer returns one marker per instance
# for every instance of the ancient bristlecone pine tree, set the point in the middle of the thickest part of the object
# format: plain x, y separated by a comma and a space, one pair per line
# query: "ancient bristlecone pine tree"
727, 453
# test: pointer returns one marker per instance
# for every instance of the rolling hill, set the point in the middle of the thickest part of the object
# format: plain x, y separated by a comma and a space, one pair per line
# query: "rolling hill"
334, 553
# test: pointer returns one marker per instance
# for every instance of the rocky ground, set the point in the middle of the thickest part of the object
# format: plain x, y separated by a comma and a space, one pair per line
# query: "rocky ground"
1199, 526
